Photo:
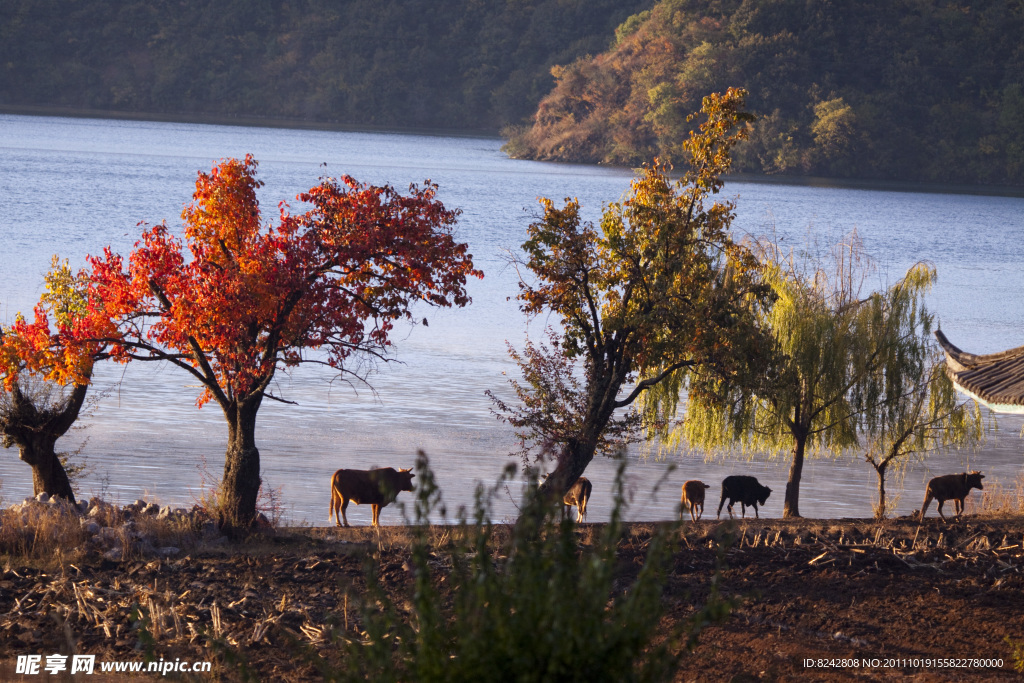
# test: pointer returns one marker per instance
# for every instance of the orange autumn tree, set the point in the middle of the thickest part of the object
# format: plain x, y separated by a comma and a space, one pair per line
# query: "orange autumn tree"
45, 375
317, 287
657, 291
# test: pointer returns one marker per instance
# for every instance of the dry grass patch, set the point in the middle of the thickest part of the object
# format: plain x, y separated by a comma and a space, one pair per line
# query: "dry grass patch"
998, 499
42, 533
51, 535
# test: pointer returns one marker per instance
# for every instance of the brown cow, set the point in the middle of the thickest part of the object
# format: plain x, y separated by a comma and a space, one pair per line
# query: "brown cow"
378, 487
955, 486
578, 496
693, 495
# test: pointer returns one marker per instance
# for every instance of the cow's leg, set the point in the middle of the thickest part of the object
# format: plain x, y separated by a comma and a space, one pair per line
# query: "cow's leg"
375, 515
755, 512
700, 513
743, 507
958, 505
941, 502
583, 510
336, 500
720, 504
693, 511
344, 506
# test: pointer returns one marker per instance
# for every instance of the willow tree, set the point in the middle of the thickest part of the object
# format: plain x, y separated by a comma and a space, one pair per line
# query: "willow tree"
840, 363
45, 379
660, 284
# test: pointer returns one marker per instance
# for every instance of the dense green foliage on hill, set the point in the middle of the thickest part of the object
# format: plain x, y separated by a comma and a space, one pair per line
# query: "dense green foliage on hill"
475, 64
922, 90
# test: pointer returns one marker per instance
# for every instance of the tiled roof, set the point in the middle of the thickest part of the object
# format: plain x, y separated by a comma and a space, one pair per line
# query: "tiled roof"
996, 378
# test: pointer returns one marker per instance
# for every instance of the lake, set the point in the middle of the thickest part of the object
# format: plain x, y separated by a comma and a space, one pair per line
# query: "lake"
72, 186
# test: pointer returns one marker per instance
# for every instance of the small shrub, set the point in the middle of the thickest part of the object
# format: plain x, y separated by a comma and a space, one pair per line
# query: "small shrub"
1016, 653
534, 607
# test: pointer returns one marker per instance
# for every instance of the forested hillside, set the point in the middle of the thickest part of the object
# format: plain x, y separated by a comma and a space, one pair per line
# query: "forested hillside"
470, 64
921, 90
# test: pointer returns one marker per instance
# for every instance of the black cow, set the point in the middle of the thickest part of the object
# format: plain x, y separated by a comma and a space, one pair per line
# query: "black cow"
747, 490
955, 486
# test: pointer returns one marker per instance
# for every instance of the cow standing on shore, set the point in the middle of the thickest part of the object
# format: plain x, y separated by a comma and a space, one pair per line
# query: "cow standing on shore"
693, 496
746, 489
577, 497
378, 488
955, 486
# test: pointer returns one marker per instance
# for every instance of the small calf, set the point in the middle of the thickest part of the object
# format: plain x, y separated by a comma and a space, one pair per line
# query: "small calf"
693, 496
578, 496
745, 489
955, 486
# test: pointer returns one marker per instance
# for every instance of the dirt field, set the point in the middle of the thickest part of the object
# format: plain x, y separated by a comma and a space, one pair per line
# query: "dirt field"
886, 598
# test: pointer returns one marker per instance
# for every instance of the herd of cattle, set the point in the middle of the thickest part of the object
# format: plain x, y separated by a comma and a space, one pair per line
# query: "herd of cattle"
380, 487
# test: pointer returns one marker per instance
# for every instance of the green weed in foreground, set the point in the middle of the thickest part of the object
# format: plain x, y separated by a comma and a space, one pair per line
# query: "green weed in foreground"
1016, 653
535, 608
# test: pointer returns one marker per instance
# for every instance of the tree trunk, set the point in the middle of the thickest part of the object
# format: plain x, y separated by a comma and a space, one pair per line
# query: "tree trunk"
241, 484
577, 453
572, 463
791, 509
36, 431
48, 475
880, 514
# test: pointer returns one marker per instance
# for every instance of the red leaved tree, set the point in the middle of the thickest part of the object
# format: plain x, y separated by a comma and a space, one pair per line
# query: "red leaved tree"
44, 379
319, 286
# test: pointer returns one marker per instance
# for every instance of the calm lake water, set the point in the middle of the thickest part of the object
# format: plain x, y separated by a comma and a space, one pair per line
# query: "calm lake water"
72, 186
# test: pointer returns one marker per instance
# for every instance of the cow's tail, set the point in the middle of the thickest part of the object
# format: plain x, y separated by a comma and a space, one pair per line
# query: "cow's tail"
334, 504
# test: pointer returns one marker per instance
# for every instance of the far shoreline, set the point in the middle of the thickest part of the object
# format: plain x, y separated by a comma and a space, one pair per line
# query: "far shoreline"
488, 134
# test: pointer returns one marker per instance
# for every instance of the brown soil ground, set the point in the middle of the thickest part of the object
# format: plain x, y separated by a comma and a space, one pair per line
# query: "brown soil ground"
889, 596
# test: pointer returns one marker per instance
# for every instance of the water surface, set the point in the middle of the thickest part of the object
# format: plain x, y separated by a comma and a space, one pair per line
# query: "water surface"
73, 186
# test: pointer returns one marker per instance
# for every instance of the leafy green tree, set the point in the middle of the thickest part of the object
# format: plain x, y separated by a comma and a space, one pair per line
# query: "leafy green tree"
659, 288
833, 127
842, 366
